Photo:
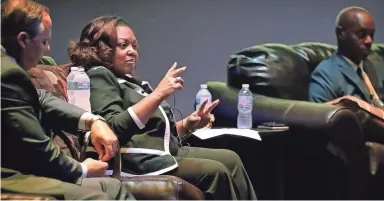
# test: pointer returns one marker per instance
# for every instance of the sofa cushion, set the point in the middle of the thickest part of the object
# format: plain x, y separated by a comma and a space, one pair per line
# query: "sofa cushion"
283, 71
313, 53
274, 70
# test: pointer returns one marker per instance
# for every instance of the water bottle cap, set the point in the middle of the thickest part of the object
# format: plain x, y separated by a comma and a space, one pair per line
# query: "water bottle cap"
74, 68
245, 85
203, 86
81, 69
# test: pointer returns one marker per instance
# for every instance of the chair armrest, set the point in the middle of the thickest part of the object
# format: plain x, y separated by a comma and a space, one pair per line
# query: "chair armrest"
162, 187
116, 172
20, 196
159, 187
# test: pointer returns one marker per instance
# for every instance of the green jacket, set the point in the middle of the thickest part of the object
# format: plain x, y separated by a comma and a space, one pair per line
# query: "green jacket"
150, 148
25, 146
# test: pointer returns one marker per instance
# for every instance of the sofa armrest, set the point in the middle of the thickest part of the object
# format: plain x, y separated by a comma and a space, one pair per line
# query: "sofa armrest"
293, 113
162, 187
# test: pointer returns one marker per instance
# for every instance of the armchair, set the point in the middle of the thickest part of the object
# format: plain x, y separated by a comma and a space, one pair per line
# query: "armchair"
325, 152
161, 187
318, 162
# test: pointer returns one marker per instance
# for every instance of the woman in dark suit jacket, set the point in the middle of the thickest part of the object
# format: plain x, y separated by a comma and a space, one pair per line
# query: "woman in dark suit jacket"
143, 120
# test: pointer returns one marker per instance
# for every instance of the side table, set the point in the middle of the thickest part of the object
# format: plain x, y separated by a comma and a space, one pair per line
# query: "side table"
263, 160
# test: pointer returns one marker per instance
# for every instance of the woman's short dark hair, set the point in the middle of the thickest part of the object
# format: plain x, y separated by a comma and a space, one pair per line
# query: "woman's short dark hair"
97, 43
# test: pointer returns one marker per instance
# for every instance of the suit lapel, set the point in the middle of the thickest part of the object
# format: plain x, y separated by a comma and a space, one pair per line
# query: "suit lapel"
351, 75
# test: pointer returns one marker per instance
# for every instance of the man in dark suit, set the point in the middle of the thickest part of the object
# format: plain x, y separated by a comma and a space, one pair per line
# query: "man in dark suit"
31, 162
346, 72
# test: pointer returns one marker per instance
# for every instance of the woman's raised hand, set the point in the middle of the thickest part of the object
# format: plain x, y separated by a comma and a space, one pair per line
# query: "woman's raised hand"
171, 82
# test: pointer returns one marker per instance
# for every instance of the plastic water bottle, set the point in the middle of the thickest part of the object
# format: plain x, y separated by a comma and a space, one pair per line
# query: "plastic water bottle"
70, 85
244, 106
202, 95
82, 90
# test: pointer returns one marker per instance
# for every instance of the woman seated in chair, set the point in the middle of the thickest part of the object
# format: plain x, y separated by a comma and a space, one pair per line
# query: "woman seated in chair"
143, 120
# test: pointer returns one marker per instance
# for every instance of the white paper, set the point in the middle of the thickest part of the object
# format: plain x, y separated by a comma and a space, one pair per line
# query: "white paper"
206, 133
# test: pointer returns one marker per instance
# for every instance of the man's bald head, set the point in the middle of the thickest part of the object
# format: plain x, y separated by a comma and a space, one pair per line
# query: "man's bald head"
355, 29
351, 15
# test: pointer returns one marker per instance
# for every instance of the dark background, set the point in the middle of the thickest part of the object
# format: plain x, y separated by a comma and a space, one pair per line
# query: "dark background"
203, 33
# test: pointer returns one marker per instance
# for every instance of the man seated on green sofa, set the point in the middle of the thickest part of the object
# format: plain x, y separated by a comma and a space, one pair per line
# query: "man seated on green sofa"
343, 74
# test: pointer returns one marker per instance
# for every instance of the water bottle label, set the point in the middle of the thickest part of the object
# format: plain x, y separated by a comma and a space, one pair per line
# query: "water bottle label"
81, 85
71, 86
245, 100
